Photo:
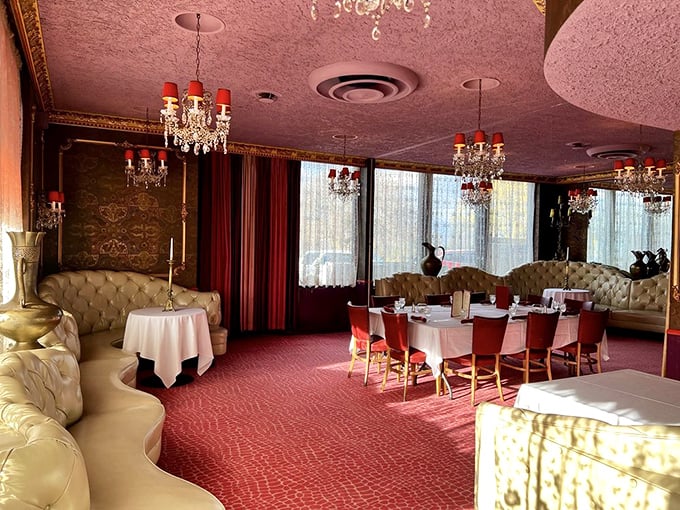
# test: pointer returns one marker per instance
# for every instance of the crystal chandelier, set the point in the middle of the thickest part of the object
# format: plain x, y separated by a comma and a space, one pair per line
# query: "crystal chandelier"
477, 161
656, 204
582, 201
644, 178
51, 212
194, 127
375, 9
145, 172
345, 184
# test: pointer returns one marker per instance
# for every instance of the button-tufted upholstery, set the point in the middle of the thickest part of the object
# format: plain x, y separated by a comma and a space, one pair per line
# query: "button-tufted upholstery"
101, 300
638, 304
41, 465
411, 286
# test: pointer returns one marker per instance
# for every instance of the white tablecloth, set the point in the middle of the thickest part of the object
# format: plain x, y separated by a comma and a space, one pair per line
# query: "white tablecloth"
622, 397
559, 295
168, 338
445, 337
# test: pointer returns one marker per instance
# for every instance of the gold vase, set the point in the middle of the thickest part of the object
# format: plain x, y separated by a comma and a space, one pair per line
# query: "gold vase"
26, 317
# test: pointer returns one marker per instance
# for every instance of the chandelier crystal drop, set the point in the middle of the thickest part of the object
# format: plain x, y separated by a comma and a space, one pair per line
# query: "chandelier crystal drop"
145, 172
582, 201
656, 204
344, 184
640, 178
194, 127
478, 162
376, 9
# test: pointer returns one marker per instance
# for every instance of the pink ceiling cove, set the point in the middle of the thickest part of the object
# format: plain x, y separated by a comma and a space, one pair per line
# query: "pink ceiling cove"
111, 58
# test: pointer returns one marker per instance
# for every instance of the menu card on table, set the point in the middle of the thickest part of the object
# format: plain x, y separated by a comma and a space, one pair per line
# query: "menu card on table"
460, 305
503, 297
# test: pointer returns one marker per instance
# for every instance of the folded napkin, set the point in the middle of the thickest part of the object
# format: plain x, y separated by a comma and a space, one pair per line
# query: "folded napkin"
568, 313
418, 318
466, 321
520, 317
388, 308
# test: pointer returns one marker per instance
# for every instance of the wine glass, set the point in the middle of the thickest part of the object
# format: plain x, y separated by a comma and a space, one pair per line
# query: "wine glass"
397, 306
515, 299
492, 299
427, 311
402, 303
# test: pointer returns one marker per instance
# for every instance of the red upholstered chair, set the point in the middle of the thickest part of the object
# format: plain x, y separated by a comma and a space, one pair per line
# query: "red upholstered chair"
383, 300
591, 328
535, 299
574, 306
536, 357
487, 341
438, 299
401, 358
366, 347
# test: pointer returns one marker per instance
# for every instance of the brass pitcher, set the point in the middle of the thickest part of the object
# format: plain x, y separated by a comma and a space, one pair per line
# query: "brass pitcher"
26, 317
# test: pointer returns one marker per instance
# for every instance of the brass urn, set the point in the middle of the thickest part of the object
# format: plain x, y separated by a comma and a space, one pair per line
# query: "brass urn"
26, 317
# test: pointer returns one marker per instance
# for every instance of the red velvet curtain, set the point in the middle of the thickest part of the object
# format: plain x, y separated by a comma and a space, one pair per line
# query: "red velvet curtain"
250, 248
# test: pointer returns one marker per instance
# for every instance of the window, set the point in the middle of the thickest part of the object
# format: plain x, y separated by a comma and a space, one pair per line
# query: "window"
328, 231
413, 207
620, 225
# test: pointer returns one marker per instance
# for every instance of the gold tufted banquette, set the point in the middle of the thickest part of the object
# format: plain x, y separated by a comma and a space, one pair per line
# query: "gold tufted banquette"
531, 460
100, 300
635, 304
74, 437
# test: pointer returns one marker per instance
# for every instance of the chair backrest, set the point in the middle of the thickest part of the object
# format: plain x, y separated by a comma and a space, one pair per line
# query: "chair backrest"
488, 333
438, 299
535, 299
383, 300
359, 321
541, 329
396, 330
503, 296
573, 305
591, 326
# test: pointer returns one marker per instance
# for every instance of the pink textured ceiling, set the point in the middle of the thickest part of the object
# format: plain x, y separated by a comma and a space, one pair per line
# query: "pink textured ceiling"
111, 58
620, 60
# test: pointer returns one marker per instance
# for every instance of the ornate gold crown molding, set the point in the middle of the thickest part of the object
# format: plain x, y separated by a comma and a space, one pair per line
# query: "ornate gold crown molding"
27, 19
540, 4
104, 122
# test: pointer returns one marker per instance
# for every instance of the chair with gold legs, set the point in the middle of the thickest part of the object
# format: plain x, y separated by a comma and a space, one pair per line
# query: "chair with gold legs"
487, 341
536, 357
591, 328
401, 357
366, 347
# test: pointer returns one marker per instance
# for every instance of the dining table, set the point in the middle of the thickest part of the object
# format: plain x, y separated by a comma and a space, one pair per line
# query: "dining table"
559, 295
441, 336
169, 338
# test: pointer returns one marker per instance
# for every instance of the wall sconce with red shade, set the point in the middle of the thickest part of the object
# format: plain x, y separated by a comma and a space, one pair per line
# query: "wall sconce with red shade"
51, 212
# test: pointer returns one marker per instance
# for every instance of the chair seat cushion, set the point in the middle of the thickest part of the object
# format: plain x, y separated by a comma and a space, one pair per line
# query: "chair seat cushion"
481, 360
415, 356
378, 344
533, 354
573, 347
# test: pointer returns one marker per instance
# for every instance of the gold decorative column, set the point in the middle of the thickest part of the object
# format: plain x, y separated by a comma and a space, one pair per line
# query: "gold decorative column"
673, 303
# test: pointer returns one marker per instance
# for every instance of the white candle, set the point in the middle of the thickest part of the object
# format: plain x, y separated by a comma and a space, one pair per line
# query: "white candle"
567, 253
172, 242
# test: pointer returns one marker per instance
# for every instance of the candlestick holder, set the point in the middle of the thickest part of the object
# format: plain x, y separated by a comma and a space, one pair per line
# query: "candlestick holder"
566, 286
170, 303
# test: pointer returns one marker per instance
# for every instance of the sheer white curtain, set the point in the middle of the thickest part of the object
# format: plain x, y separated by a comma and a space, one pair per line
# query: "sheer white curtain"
412, 207
511, 226
10, 151
398, 228
620, 225
328, 231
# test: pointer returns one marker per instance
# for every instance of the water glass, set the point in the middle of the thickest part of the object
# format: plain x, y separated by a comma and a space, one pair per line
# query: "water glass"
402, 303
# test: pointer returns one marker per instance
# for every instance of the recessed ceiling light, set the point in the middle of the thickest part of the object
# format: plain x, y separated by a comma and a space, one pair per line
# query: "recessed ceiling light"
209, 24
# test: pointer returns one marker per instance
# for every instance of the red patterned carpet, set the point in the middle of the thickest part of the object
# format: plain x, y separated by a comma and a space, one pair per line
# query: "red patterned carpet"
276, 423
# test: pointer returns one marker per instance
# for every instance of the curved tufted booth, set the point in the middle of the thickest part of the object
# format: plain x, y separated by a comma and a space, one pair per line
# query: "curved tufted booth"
73, 436
635, 304
100, 300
